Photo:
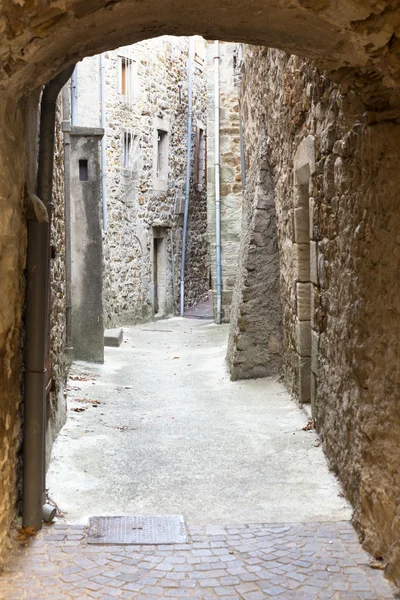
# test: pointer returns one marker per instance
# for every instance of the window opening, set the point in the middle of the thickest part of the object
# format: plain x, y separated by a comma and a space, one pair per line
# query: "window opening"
128, 78
83, 170
127, 153
162, 140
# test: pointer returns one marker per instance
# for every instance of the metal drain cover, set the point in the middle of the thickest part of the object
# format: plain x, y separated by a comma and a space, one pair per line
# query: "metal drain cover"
139, 529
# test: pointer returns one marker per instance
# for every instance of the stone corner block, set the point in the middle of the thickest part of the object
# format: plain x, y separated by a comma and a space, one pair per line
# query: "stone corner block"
304, 380
304, 160
301, 225
303, 337
113, 337
301, 257
303, 301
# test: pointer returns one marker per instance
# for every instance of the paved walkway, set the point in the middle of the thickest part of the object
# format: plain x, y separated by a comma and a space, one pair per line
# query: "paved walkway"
160, 429
302, 561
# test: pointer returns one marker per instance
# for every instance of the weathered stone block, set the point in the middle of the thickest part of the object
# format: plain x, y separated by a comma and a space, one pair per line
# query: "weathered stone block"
301, 257
304, 380
303, 337
113, 337
301, 196
303, 300
301, 225
304, 160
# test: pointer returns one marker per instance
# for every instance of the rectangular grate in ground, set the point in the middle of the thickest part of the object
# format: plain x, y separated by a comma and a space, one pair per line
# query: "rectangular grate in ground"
137, 530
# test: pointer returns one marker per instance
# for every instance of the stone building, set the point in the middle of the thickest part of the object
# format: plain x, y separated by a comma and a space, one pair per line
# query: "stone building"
230, 180
321, 134
129, 113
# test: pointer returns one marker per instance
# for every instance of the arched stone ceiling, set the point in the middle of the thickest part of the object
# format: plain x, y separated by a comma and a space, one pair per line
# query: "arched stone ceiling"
40, 37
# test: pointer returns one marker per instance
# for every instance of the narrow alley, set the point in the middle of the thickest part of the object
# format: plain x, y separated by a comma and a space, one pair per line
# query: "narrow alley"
160, 429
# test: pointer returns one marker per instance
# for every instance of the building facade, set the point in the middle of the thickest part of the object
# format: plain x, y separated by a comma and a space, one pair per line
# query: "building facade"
133, 104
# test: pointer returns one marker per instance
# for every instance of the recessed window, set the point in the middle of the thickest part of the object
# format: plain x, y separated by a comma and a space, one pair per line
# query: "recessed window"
83, 170
162, 154
128, 80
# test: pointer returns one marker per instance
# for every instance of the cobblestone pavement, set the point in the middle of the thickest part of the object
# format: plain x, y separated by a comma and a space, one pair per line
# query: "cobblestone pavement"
202, 310
313, 561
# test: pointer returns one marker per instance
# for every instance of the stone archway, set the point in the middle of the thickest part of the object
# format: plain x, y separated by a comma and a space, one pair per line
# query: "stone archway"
40, 39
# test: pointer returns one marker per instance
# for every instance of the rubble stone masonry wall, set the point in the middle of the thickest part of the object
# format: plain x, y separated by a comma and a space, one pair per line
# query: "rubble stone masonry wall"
333, 162
57, 405
356, 304
140, 208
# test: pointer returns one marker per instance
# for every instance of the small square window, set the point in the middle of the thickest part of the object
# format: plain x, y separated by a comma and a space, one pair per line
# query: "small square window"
162, 153
130, 150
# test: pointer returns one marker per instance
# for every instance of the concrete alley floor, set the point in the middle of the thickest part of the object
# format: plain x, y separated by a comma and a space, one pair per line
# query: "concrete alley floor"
164, 431
158, 429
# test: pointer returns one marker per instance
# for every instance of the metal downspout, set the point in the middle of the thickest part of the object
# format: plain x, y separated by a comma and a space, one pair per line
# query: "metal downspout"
217, 186
188, 165
36, 321
103, 142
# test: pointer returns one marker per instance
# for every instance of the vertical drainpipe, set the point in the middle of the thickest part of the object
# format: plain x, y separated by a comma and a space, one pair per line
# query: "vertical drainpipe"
188, 164
217, 187
103, 141
36, 318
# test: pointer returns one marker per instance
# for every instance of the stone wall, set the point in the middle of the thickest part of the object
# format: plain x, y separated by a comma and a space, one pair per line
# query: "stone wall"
141, 208
41, 39
326, 154
57, 405
230, 171
12, 262
255, 336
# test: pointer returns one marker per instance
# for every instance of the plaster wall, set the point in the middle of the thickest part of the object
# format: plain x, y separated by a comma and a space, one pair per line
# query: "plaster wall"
86, 245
